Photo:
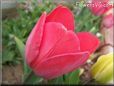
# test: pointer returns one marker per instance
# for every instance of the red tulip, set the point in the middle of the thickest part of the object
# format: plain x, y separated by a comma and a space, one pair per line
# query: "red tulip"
99, 7
108, 21
53, 49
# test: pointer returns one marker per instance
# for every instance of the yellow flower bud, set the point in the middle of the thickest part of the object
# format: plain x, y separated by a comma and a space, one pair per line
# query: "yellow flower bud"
102, 70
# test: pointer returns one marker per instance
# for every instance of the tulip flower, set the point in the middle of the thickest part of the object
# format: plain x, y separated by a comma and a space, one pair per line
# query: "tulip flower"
53, 49
107, 30
107, 21
99, 7
102, 70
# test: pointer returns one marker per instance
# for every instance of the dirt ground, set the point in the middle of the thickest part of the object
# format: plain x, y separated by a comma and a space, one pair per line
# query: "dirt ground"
12, 74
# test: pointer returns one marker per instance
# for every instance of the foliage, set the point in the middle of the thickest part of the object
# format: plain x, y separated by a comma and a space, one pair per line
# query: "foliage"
86, 21
20, 27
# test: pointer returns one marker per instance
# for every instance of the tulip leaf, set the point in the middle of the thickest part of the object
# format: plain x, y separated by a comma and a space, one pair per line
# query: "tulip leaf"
73, 77
57, 81
32, 79
20, 46
29, 77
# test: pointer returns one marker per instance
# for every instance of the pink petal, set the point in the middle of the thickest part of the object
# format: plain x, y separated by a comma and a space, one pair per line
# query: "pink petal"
100, 7
57, 40
60, 64
88, 41
34, 40
62, 15
108, 21
68, 44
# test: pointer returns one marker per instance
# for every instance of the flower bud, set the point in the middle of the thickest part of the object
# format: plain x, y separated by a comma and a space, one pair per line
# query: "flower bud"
102, 70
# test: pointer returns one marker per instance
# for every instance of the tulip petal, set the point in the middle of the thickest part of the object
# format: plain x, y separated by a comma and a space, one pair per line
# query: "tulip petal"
60, 64
108, 21
34, 40
88, 41
62, 15
57, 40
99, 7
68, 44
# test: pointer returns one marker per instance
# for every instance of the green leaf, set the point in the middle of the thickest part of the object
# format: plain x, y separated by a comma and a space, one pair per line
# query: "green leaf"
7, 56
32, 79
57, 81
73, 77
20, 46
29, 76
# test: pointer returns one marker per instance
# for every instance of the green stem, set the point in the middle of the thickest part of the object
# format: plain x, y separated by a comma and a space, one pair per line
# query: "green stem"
64, 78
